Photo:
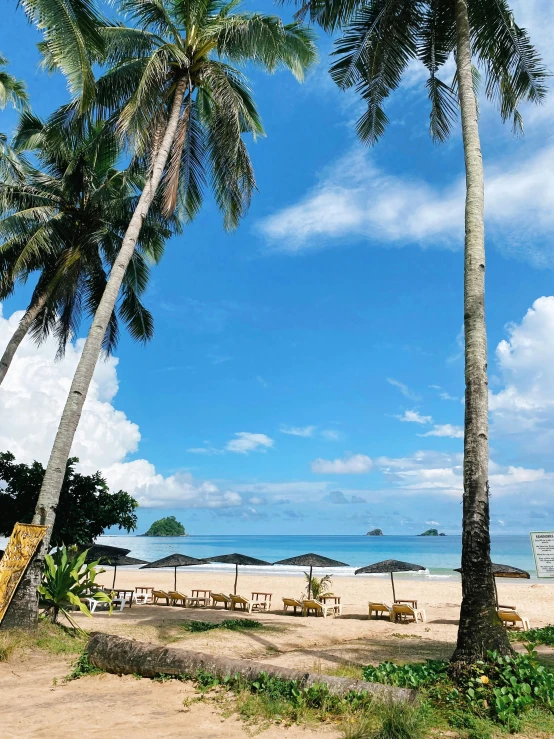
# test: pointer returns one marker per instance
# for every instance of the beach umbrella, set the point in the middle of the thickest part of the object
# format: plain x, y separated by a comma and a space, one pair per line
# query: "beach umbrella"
389, 566
311, 560
115, 560
99, 551
503, 571
239, 559
174, 560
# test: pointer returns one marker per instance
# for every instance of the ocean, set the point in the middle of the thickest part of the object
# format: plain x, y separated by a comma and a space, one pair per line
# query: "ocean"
439, 555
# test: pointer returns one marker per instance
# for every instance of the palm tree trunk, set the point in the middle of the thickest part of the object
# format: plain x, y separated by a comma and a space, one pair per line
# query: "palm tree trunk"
19, 334
23, 609
480, 628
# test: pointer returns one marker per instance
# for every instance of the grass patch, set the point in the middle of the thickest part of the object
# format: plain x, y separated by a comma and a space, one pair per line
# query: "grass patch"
52, 638
231, 624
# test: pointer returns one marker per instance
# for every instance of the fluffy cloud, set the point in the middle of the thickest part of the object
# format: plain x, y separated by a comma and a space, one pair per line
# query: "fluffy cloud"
31, 401
353, 465
445, 429
414, 417
404, 389
524, 407
304, 431
245, 442
356, 198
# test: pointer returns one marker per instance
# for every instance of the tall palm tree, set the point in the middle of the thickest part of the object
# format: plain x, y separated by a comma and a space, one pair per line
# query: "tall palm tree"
380, 38
184, 108
66, 221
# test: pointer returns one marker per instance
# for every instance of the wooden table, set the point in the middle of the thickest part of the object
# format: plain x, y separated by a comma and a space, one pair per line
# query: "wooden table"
335, 598
412, 603
123, 596
200, 597
261, 600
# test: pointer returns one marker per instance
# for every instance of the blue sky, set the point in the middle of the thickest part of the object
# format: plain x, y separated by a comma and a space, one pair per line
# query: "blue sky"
306, 375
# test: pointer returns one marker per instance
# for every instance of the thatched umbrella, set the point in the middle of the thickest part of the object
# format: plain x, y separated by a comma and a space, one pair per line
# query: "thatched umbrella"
389, 566
503, 571
311, 560
115, 560
101, 551
239, 559
174, 560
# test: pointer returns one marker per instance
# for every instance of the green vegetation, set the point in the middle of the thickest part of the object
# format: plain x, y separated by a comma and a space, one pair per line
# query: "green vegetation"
52, 638
232, 624
168, 526
82, 667
86, 507
375, 532
498, 692
319, 585
535, 636
66, 580
430, 532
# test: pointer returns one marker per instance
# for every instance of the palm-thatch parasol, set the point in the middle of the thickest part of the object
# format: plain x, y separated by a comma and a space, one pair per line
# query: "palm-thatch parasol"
174, 560
239, 559
311, 560
503, 571
389, 565
98, 551
114, 558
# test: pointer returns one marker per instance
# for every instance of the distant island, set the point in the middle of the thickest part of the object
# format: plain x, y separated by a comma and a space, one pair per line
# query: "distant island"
431, 532
168, 526
375, 532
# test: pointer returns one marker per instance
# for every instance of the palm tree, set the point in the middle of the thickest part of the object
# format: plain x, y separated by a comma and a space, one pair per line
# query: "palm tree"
66, 221
13, 92
184, 107
380, 38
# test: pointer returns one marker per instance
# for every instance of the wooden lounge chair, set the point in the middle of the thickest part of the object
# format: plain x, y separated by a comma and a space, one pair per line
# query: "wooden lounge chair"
220, 598
380, 609
160, 595
238, 603
404, 612
292, 603
514, 620
143, 595
317, 608
177, 597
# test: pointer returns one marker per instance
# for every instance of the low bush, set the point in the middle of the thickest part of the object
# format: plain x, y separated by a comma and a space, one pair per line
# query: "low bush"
232, 624
535, 636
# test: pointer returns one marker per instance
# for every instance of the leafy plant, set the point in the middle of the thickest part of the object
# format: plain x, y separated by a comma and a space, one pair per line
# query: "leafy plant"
65, 581
415, 675
545, 635
83, 666
232, 624
319, 585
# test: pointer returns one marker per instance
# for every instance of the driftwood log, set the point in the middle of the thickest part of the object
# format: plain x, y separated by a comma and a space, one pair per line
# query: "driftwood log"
126, 656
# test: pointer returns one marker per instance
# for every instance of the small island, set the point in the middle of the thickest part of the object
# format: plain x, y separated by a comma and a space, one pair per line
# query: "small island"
375, 532
168, 526
431, 532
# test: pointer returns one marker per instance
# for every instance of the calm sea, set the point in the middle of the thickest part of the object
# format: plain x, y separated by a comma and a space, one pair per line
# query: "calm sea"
440, 555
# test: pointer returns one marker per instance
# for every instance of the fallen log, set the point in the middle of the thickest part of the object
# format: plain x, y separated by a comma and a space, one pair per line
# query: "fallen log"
126, 657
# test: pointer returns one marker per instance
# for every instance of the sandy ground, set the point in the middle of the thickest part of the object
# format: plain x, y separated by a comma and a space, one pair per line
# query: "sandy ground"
32, 706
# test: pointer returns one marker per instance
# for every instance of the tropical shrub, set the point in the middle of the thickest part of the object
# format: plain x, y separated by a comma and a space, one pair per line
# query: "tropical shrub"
65, 581
319, 586
535, 636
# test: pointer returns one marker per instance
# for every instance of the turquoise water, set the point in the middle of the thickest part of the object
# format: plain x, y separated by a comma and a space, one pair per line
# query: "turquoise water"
440, 555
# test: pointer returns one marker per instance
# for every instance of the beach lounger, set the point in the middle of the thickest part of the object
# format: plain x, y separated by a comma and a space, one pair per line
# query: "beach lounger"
380, 609
160, 595
292, 603
143, 595
514, 620
404, 612
317, 608
220, 598
177, 597
238, 603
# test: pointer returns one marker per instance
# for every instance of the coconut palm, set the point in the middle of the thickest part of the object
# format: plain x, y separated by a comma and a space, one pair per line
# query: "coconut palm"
380, 38
66, 221
183, 107
12, 92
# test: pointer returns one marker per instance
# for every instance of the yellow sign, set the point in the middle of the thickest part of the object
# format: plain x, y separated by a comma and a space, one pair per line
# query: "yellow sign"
19, 552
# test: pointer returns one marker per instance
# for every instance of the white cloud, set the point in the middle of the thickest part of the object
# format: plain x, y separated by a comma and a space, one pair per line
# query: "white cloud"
404, 389
353, 465
304, 431
414, 417
331, 434
446, 429
32, 397
246, 442
356, 198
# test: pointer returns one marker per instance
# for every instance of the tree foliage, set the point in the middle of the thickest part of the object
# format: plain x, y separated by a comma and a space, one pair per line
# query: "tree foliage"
168, 526
86, 508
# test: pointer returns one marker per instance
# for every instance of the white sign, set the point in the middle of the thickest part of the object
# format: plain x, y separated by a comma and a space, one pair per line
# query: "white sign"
543, 551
